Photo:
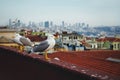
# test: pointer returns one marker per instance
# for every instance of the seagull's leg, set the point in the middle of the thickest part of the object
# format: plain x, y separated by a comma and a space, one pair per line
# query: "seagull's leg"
46, 56
21, 48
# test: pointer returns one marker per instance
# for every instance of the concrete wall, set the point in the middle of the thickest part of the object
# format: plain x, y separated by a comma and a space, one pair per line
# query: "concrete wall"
17, 66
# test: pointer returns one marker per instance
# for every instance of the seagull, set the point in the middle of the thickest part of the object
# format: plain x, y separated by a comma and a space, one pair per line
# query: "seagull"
22, 40
45, 46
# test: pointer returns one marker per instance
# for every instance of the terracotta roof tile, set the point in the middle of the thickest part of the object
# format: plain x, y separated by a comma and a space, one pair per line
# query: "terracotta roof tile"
92, 60
36, 38
110, 39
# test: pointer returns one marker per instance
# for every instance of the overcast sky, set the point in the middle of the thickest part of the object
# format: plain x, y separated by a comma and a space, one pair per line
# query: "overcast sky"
93, 12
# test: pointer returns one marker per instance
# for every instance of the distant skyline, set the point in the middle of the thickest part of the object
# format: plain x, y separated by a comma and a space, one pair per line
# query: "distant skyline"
92, 12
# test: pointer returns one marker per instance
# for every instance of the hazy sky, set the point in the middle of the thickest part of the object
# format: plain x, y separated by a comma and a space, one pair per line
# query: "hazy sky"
93, 12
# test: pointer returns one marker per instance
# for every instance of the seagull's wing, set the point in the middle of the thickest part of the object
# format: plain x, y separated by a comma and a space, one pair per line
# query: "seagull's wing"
41, 47
25, 41
17, 40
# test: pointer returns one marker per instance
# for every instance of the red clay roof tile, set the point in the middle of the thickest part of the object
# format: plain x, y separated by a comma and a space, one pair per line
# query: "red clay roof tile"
36, 38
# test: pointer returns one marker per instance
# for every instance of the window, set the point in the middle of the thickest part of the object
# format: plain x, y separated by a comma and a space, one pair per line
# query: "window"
119, 45
70, 37
75, 37
114, 45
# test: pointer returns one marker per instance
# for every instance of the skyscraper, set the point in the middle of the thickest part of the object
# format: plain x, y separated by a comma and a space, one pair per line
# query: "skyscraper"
63, 23
51, 24
18, 23
83, 24
87, 25
46, 24
30, 24
10, 23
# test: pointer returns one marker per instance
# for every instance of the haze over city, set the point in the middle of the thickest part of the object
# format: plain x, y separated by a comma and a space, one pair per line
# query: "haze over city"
93, 12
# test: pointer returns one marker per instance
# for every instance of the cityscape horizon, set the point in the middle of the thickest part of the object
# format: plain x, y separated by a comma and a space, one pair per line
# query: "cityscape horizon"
56, 22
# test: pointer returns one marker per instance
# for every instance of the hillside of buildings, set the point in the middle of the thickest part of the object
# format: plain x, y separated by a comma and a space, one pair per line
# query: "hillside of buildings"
65, 40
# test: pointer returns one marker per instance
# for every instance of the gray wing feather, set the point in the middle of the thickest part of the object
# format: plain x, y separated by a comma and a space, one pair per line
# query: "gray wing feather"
41, 47
25, 41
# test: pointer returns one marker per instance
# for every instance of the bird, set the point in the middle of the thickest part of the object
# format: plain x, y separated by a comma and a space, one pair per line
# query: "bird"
45, 46
22, 40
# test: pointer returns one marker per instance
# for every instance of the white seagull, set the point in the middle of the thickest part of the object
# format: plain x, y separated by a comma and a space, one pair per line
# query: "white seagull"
22, 40
46, 45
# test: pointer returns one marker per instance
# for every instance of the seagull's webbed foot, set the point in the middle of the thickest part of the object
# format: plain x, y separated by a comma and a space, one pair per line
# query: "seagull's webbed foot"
46, 56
